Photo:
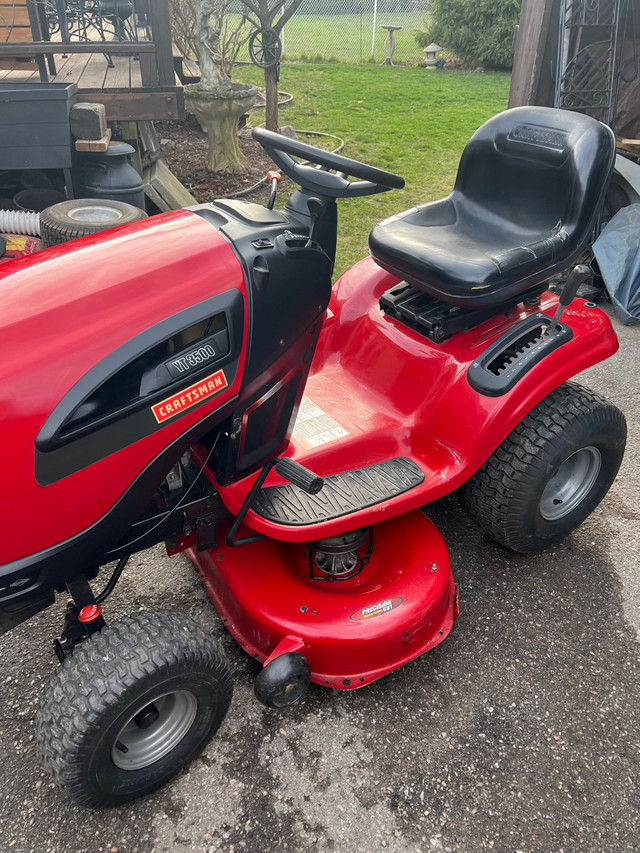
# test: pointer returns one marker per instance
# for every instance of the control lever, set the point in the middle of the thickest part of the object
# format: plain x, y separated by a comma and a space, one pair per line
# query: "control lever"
576, 277
300, 476
289, 470
275, 178
316, 211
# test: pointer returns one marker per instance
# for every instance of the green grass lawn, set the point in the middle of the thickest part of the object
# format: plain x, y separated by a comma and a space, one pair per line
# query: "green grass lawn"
348, 38
407, 120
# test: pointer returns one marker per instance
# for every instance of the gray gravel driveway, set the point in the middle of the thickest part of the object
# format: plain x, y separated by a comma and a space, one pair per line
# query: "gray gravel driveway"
519, 733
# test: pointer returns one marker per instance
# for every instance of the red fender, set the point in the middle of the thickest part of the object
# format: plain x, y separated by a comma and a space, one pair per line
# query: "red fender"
387, 391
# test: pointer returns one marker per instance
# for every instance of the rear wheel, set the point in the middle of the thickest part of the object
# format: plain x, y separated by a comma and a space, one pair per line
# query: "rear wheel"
550, 472
77, 218
131, 706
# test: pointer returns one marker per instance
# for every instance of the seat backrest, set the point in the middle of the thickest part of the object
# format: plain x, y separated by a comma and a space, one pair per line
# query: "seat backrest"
536, 168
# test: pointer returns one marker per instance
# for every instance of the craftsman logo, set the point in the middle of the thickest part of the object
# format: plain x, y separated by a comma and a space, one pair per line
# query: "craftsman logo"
176, 405
377, 609
544, 137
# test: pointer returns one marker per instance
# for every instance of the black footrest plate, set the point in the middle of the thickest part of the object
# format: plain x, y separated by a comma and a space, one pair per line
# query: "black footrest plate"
341, 494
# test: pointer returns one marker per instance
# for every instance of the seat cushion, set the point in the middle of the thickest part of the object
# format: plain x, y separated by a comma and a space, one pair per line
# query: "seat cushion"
467, 257
528, 192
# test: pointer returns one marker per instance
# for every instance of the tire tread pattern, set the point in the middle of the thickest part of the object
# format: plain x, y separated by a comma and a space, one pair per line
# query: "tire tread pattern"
56, 229
93, 677
497, 495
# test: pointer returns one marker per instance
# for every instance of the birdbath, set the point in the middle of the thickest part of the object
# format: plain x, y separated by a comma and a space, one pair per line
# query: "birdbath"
391, 29
215, 101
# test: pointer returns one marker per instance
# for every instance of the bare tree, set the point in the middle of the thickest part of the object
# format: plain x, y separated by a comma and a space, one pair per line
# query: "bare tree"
270, 16
234, 32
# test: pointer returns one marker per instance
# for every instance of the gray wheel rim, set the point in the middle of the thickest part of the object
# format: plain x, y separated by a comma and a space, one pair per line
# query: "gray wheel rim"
95, 214
137, 747
571, 484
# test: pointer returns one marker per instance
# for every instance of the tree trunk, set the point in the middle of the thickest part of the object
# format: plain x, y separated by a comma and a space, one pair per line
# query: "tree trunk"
271, 95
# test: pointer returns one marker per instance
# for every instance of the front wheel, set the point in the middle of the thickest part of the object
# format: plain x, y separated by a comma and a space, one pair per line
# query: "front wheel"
131, 706
550, 472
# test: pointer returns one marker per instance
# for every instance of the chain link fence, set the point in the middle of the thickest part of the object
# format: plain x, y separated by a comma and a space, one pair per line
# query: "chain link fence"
355, 31
349, 31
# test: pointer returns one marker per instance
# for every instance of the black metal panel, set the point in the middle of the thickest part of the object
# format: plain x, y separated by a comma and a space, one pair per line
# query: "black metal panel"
90, 422
288, 279
586, 79
34, 125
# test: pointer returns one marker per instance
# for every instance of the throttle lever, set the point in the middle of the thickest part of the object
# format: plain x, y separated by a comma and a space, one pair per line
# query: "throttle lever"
274, 178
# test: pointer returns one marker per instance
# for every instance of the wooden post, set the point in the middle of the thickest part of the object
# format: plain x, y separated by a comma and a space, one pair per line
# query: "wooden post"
536, 45
269, 21
149, 68
161, 32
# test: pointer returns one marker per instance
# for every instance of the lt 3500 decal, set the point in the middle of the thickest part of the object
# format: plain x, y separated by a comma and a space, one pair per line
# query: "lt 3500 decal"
193, 359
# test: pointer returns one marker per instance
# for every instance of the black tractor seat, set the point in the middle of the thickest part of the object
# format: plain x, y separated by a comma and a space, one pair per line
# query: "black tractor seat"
530, 185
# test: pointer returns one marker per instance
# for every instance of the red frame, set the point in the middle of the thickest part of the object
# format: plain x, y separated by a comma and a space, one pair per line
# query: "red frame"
394, 393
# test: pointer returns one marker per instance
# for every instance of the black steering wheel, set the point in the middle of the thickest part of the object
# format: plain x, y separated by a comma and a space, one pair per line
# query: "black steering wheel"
320, 181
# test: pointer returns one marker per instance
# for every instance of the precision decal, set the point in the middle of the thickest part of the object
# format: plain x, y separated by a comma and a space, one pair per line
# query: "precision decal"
183, 400
377, 609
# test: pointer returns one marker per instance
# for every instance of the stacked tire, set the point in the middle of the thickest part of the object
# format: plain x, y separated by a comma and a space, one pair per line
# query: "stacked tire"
74, 218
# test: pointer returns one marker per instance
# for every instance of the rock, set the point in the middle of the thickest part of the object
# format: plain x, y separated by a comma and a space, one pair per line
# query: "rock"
88, 121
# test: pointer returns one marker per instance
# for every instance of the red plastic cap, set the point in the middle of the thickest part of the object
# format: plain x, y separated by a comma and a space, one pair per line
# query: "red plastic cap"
274, 176
90, 613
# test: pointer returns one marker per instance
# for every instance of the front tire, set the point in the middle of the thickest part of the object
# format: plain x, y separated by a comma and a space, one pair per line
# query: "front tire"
131, 706
550, 472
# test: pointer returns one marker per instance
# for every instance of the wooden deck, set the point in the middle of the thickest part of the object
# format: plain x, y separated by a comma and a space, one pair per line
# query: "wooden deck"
119, 88
134, 77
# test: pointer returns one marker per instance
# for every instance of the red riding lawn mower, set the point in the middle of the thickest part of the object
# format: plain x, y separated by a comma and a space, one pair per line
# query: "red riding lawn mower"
285, 433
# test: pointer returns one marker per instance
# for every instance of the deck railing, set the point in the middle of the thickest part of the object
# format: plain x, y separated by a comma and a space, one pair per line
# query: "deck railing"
92, 26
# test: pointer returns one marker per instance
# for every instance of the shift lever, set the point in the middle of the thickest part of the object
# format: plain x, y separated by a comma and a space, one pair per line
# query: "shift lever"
576, 277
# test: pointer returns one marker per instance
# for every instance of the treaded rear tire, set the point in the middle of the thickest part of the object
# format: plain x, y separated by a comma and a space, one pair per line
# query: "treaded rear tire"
506, 497
68, 220
131, 666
